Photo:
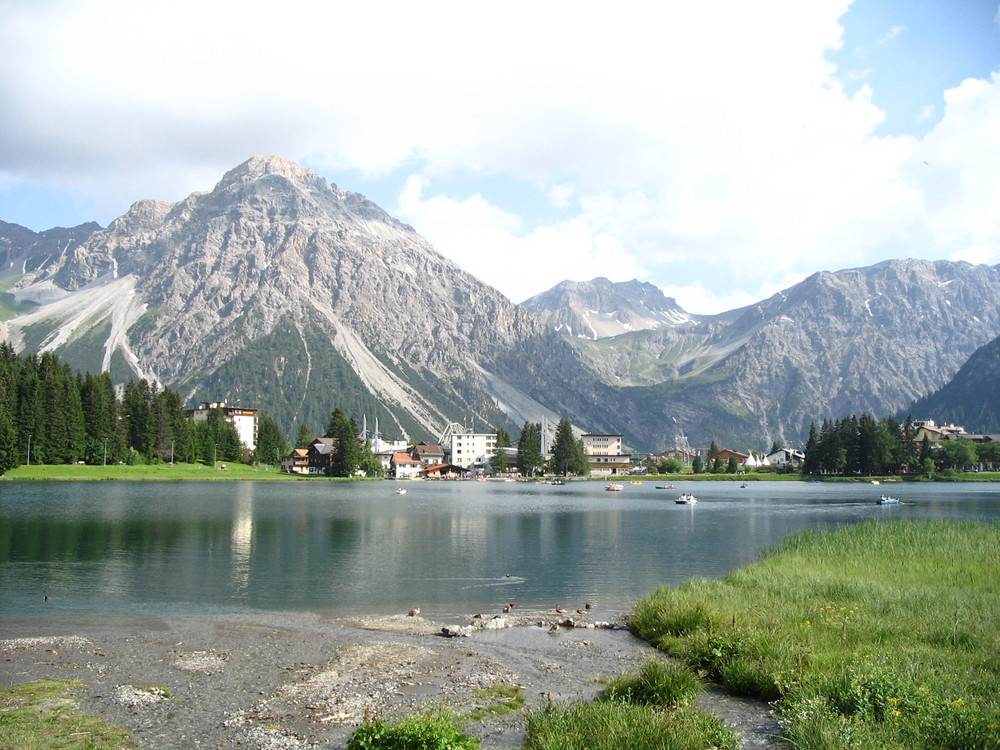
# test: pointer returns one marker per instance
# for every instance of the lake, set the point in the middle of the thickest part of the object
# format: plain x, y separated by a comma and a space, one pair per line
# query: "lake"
72, 549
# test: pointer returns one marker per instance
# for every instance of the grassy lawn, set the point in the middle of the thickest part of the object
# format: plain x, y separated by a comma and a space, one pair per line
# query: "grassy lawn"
233, 471
878, 636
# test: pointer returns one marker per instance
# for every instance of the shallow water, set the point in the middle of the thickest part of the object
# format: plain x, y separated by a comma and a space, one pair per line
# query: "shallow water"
76, 549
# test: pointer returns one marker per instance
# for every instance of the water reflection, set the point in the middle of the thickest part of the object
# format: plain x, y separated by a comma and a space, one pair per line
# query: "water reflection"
186, 547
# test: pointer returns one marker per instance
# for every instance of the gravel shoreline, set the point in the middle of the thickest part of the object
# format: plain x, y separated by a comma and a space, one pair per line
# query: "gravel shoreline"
268, 681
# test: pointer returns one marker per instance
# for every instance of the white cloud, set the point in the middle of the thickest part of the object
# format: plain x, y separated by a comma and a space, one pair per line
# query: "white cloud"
708, 148
491, 244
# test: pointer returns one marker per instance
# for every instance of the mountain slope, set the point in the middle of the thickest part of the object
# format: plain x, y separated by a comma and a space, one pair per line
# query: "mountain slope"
971, 398
286, 292
870, 339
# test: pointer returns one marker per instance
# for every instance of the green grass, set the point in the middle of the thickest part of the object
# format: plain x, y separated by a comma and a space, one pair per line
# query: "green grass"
43, 715
659, 682
877, 636
432, 730
160, 472
498, 700
617, 725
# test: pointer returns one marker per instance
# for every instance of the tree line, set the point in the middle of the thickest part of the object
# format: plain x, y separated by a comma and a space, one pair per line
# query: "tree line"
866, 446
51, 415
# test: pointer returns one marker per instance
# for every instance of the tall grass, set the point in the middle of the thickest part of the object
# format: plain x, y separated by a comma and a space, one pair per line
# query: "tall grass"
882, 635
616, 725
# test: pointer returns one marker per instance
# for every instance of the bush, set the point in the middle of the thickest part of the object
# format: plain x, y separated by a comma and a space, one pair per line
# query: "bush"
434, 730
659, 683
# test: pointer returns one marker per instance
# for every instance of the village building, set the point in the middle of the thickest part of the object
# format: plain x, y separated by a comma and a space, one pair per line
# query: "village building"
404, 466
296, 462
606, 455
935, 433
444, 471
243, 419
427, 454
785, 457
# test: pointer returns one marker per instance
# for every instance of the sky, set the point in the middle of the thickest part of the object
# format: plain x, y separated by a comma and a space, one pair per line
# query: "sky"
721, 150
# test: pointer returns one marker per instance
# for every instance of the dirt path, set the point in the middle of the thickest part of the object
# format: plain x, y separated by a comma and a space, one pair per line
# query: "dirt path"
295, 680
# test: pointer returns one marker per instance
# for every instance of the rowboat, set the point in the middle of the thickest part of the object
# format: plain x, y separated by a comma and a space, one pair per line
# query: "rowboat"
686, 499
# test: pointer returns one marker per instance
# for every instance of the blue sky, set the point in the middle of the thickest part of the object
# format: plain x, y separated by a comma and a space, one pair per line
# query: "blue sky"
722, 151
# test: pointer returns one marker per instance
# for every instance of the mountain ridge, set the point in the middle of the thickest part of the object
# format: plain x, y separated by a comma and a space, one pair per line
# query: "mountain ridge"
279, 289
176, 291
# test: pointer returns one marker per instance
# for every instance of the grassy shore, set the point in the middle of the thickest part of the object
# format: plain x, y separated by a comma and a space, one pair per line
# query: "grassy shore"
164, 472
879, 636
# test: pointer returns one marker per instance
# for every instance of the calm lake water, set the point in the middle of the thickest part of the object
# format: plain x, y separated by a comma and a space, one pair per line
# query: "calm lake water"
447, 547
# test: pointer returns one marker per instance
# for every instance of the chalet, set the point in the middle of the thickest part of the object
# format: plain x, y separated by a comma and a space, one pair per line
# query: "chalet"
725, 454
786, 457
935, 433
427, 454
404, 466
321, 454
296, 462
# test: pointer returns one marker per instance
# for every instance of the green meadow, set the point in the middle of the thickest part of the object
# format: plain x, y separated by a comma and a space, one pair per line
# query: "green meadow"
880, 636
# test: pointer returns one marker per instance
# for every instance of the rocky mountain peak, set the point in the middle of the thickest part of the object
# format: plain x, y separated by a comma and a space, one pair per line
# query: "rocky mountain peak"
601, 308
257, 167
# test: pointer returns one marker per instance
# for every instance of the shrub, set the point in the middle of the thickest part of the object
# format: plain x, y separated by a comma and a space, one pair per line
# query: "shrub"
659, 683
433, 730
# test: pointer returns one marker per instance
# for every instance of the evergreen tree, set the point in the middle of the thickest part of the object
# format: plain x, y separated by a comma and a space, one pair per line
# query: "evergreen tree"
137, 416
811, 463
305, 436
499, 461
271, 444
696, 465
503, 439
564, 450
9, 439
529, 449
347, 452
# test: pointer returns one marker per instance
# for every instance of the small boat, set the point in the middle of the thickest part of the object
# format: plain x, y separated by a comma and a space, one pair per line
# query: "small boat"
887, 500
557, 482
666, 486
400, 490
614, 487
686, 499
743, 486
635, 482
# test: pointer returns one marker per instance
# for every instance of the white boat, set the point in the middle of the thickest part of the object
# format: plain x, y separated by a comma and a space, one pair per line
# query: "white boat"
887, 500
614, 487
686, 499
400, 490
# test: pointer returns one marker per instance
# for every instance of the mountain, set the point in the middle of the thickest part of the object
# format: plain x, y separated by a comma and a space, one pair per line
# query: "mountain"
860, 340
279, 290
600, 308
971, 398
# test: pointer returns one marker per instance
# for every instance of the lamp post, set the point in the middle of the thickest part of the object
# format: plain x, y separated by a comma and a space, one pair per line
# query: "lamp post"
29, 450
105, 451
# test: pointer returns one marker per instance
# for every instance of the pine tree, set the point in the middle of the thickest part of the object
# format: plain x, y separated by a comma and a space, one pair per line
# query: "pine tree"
347, 454
271, 444
529, 449
563, 459
9, 438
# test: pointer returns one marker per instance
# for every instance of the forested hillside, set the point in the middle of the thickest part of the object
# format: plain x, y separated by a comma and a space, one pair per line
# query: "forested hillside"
51, 415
